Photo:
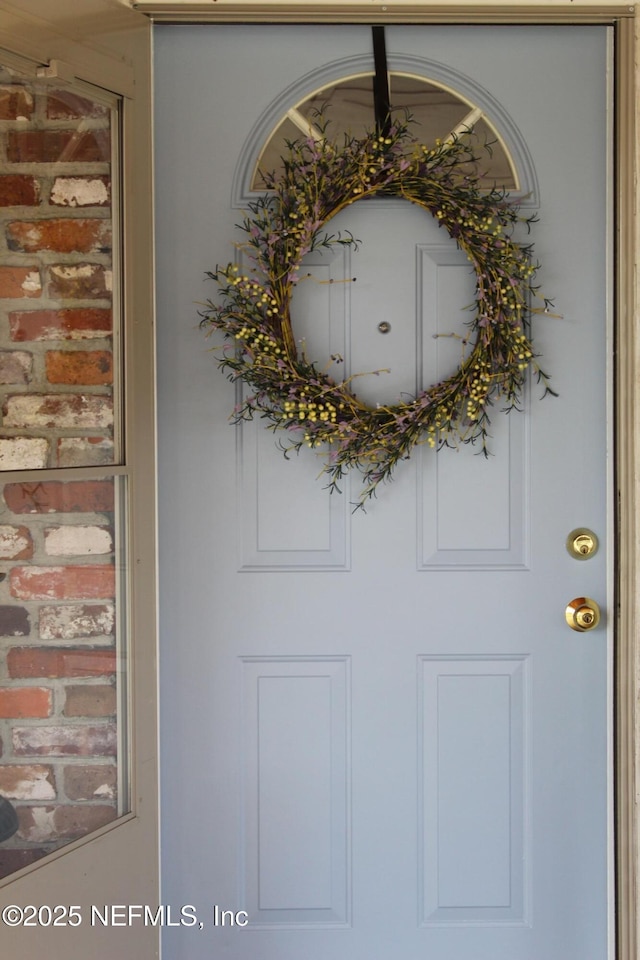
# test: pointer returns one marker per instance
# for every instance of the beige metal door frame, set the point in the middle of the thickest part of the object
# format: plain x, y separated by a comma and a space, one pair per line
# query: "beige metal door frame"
40, 30
627, 396
627, 160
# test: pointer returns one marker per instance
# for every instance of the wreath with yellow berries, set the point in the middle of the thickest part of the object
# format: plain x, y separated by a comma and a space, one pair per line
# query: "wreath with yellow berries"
319, 179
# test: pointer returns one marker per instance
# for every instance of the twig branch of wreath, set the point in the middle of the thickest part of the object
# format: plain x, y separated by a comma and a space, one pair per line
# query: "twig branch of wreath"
319, 179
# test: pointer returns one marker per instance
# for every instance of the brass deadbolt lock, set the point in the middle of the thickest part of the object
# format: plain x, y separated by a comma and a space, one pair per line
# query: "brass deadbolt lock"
582, 543
582, 614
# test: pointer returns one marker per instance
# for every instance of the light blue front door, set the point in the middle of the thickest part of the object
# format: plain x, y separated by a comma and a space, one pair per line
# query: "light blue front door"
380, 738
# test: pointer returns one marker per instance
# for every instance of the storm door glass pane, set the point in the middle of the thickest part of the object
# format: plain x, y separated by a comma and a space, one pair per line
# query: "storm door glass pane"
57, 361
63, 766
64, 752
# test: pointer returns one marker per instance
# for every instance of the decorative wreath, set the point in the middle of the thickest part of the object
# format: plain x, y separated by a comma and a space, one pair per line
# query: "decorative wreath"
320, 178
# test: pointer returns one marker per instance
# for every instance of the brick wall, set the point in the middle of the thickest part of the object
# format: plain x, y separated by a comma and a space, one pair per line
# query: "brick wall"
56, 367
58, 667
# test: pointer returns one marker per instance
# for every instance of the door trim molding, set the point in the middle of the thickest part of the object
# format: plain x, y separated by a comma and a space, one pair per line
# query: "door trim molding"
627, 453
418, 11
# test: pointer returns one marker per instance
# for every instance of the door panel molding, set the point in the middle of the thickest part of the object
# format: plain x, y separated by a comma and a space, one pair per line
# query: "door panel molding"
495, 887
311, 696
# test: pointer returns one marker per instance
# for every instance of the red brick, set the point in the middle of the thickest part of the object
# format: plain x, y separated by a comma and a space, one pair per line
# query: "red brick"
89, 582
14, 621
15, 101
73, 821
77, 540
23, 781
70, 621
46, 411
15, 366
24, 702
91, 782
19, 190
62, 236
84, 451
81, 192
64, 105
23, 453
82, 323
66, 741
67, 821
15, 542
90, 700
86, 281
79, 367
56, 496
57, 662
20, 282
58, 146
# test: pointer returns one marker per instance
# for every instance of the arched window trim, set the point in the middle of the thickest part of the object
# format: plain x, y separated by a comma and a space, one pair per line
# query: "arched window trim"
431, 72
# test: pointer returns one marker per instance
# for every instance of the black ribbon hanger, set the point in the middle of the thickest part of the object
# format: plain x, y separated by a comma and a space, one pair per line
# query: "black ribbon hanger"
381, 101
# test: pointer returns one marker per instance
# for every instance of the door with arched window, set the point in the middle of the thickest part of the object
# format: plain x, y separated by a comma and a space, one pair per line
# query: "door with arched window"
381, 738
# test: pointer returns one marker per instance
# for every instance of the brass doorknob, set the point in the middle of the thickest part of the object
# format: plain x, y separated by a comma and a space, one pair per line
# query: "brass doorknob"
582, 614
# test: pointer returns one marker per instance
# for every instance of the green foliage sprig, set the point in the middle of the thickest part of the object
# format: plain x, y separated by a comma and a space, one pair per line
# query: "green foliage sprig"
321, 178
